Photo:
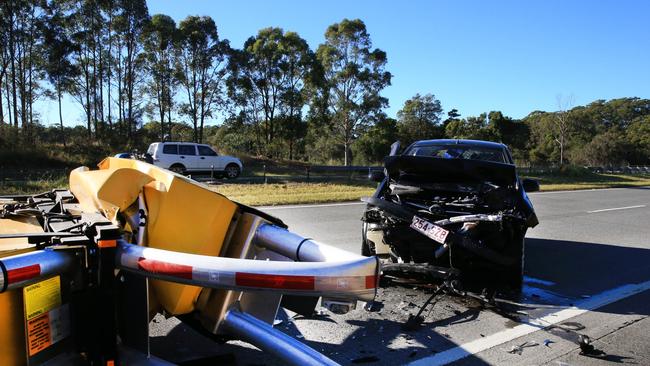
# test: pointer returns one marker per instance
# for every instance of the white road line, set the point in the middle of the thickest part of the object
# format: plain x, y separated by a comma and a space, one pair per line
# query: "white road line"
533, 325
265, 208
616, 208
576, 191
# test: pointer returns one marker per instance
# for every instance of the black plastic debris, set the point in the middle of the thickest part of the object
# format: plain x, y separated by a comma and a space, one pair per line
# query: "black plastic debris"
519, 349
587, 348
373, 306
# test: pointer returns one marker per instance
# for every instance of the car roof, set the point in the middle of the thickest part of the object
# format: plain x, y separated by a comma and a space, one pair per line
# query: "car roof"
481, 143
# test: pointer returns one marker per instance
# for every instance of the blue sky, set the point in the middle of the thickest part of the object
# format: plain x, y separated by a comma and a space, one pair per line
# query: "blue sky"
476, 56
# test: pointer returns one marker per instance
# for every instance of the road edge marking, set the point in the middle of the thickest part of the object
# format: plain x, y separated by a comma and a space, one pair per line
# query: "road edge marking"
533, 325
616, 209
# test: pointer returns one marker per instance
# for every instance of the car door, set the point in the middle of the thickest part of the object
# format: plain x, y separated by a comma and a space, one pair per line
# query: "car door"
208, 158
188, 157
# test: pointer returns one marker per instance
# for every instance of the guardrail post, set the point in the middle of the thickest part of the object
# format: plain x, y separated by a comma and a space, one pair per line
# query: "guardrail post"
264, 167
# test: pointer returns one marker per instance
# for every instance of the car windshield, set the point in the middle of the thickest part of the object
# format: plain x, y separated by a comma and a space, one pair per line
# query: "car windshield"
458, 152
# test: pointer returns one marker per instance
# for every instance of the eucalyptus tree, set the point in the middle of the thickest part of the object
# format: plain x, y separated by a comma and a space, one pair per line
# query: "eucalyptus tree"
159, 37
419, 119
201, 70
58, 49
131, 20
355, 75
268, 83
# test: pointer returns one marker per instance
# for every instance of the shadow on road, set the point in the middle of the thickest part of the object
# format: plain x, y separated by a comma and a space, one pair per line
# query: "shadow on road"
585, 269
572, 270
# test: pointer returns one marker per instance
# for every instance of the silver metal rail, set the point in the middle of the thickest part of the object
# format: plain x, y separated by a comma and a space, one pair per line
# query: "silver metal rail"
345, 279
299, 248
24, 269
262, 335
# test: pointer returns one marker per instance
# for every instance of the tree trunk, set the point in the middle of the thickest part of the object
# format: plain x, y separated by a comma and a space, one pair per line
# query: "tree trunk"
58, 92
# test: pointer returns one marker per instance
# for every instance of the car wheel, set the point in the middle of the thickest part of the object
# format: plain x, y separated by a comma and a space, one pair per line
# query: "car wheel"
232, 171
177, 168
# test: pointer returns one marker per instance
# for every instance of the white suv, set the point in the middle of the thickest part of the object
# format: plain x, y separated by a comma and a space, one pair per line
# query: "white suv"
185, 157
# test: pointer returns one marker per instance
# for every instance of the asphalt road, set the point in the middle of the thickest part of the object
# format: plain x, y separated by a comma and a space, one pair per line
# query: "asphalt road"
587, 272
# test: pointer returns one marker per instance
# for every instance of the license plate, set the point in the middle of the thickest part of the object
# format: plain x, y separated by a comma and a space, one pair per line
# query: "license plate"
433, 231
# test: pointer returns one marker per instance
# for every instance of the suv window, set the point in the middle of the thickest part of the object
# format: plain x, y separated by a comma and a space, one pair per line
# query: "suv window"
186, 150
206, 151
170, 149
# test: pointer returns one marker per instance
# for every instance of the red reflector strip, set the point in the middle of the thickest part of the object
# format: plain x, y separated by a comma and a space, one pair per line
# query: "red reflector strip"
273, 281
107, 243
164, 268
371, 281
23, 273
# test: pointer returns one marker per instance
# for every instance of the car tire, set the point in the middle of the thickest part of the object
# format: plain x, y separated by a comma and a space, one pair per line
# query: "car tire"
177, 168
366, 250
232, 171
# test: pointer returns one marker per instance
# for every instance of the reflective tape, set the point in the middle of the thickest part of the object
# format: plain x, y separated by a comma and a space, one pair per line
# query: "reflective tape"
163, 268
274, 281
349, 279
23, 273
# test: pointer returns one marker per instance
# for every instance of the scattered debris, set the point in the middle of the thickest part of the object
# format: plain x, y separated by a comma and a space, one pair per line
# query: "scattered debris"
547, 342
519, 349
587, 348
373, 306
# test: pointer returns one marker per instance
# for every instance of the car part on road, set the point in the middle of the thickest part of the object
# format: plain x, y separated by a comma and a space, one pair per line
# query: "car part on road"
130, 240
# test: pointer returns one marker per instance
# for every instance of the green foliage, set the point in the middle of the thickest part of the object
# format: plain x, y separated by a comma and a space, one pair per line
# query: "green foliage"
354, 76
419, 119
374, 145
138, 79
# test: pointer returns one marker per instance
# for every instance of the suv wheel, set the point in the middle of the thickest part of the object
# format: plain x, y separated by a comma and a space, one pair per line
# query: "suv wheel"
232, 171
177, 168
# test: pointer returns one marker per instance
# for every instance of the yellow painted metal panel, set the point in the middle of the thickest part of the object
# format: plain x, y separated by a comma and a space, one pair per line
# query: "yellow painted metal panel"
183, 215
12, 333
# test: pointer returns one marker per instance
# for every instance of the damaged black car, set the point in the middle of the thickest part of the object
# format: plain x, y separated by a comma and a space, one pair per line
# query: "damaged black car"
446, 207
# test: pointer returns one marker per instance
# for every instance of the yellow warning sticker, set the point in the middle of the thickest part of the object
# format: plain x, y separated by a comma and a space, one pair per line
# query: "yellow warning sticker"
42, 297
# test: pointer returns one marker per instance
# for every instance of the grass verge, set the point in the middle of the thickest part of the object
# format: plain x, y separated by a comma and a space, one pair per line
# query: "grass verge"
591, 181
303, 193
294, 193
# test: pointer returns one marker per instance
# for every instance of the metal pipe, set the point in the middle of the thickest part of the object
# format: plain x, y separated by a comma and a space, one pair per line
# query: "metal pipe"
350, 279
262, 335
299, 248
142, 216
24, 269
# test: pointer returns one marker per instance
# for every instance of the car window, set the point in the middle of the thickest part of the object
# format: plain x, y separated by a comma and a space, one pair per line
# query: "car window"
170, 149
206, 151
458, 152
186, 150
152, 149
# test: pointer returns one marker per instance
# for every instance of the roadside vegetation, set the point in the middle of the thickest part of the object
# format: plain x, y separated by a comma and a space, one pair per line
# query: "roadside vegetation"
276, 101
340, 190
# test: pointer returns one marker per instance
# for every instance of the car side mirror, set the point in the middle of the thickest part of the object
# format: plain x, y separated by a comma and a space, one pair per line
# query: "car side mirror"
376, 176
530, 185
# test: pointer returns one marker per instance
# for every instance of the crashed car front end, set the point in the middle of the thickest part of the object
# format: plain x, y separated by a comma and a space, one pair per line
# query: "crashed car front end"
434, 216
